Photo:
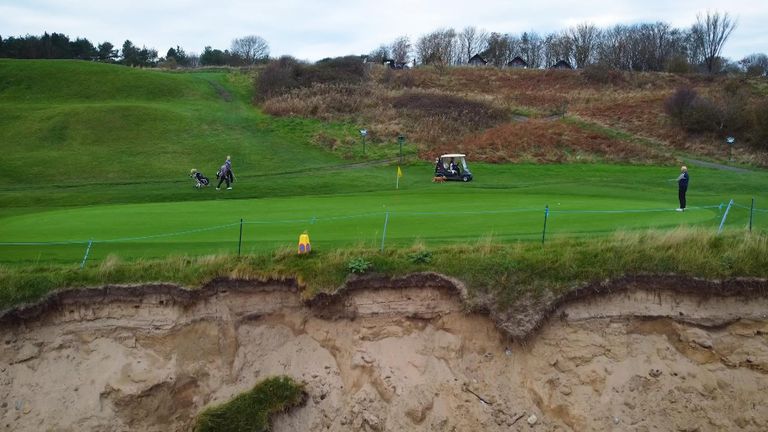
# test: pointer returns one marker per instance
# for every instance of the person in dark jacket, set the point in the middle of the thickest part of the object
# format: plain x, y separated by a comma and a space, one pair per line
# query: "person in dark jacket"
682, 187
439, 169
225, 174
454, 168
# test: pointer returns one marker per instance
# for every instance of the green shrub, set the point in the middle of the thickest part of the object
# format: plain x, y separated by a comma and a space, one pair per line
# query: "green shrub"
358, 265
251, 411
420, 257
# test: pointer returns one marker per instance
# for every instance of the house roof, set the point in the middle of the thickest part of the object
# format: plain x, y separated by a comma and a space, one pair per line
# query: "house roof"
477, 57
517, 60
562, 64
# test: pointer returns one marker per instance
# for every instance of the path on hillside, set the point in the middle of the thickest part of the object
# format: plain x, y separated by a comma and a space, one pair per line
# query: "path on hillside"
718, 166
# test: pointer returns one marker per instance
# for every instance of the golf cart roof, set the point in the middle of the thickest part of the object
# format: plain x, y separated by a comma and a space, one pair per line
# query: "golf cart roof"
452, 155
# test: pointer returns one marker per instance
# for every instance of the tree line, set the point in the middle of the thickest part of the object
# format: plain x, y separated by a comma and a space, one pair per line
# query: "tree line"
654, 46
244, 51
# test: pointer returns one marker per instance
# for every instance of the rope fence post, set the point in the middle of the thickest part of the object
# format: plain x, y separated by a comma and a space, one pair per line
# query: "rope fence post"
725, 215
87, 251
546, 215
240, 239
384, 233
751, 213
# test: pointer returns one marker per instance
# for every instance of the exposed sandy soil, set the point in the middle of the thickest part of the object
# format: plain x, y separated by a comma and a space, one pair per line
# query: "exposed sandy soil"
388, 359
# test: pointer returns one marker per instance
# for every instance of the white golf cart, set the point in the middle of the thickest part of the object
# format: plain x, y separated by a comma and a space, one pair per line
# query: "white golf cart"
453, 167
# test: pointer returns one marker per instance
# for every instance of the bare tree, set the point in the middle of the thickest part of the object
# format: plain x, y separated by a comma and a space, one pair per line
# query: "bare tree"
755, 64
614, 46
251, 48
380, 54
531, 49
710, 34
501, 48
472, 41
584, 39
401, 49
558, 46
437, 48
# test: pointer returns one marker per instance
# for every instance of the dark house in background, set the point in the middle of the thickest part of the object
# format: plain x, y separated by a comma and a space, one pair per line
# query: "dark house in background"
518, 62
561, 64
477, 60
395, 65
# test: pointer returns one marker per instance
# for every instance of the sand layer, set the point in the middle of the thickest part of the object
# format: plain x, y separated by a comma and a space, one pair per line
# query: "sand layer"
387, 359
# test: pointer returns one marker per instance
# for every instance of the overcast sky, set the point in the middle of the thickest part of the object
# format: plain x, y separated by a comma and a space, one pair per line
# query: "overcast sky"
312, 30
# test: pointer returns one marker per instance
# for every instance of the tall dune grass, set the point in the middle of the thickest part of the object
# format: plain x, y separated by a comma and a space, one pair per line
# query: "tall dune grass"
505, 271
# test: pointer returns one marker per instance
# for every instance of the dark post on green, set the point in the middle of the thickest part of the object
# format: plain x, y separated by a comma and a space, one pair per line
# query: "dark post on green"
751, 213
546, 215
731, 141
363, 134
240, 240
401, 140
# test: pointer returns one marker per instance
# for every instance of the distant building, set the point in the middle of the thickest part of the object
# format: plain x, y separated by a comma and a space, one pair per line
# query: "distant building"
477, 60
518, 62
561, 64
395, 65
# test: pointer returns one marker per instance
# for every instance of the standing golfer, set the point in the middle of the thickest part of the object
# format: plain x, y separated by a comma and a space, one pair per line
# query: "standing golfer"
225, 174
682, 184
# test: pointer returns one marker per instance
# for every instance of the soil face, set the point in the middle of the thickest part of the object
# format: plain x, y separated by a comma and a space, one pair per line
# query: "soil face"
389, 359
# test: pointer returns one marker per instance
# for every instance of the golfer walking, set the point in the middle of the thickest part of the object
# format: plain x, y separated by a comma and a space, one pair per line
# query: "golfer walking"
225, 174
682, 187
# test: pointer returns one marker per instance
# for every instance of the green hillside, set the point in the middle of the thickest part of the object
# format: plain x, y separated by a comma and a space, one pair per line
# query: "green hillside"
71, 122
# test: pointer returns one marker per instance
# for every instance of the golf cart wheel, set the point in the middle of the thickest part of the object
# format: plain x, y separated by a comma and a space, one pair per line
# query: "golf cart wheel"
465, 179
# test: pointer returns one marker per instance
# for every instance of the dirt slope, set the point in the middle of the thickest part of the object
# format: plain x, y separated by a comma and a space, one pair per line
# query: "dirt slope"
402, 355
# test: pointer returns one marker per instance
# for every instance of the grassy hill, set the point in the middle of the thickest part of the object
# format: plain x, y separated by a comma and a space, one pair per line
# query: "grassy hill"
67, 123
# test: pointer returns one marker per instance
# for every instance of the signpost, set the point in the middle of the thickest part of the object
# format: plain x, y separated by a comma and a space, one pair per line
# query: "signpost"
730, 140
363, 134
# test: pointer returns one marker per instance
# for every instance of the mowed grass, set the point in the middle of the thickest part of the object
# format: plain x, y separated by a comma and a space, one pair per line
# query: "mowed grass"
340, 209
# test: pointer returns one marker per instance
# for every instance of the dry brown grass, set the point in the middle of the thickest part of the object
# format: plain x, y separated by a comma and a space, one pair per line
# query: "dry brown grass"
469, 109
547, 140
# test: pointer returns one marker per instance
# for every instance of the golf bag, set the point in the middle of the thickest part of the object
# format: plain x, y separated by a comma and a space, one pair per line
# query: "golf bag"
200, 180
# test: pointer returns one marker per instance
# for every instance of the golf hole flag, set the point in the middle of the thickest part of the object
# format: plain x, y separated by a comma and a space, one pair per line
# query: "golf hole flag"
304, 246
399, 174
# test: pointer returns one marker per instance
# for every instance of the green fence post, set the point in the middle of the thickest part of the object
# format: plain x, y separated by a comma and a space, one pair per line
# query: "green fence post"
546, 215
87, 251
384, 234
751, 213
240, 240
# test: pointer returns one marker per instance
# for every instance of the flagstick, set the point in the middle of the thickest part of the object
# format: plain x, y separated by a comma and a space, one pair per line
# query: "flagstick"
397, 183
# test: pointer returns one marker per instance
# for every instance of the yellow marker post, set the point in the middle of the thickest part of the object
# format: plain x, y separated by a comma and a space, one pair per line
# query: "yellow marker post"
304, 246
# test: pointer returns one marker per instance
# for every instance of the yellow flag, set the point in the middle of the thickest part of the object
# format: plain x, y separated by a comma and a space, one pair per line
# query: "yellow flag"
399, 172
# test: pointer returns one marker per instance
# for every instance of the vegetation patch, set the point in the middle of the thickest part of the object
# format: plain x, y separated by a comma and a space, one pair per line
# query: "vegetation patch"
552, 140
491, 270
447, 108
252, 411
